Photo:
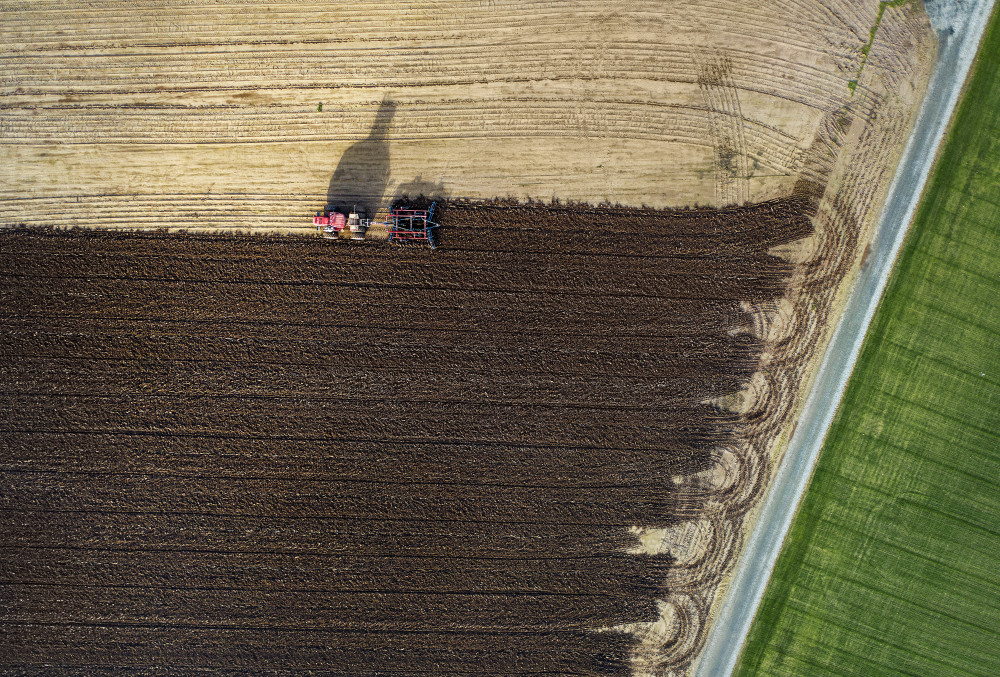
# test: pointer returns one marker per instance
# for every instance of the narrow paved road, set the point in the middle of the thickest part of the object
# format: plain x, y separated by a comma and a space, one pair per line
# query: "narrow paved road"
959, 25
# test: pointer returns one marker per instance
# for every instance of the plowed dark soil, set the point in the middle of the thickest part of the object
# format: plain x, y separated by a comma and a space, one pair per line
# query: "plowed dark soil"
282, 454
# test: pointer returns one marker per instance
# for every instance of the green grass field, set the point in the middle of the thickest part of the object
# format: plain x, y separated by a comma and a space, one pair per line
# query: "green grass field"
892, 566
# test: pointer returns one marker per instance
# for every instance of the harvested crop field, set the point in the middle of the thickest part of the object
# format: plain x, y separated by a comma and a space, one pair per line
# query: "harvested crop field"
631, 364
291, 453
237, 114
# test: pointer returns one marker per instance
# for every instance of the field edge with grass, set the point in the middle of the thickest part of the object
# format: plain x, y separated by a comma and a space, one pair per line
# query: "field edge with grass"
857, 589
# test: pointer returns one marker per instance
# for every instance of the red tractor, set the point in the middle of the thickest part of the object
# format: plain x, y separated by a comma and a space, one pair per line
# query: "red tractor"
333, 223
402, 225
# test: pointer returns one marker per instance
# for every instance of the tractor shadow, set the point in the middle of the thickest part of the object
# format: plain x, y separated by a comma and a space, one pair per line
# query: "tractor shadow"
361, 181
362, 175
419, 193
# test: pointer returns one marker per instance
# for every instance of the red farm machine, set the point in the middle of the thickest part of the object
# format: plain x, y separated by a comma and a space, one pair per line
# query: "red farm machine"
336, 224
395, 225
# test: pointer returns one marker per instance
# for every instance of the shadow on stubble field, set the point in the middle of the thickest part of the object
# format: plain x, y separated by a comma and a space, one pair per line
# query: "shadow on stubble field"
362, 174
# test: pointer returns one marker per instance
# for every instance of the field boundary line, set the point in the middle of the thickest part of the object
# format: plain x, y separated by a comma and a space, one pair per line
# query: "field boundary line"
960, 28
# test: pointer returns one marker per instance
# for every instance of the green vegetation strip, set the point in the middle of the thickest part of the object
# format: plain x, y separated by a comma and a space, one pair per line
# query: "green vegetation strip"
892, 566
853, 84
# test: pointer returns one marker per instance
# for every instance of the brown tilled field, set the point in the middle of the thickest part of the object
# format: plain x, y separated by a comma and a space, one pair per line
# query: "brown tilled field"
533, 449
286, 453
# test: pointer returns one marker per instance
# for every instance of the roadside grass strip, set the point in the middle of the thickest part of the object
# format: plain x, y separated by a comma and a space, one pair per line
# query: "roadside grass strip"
892, 565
